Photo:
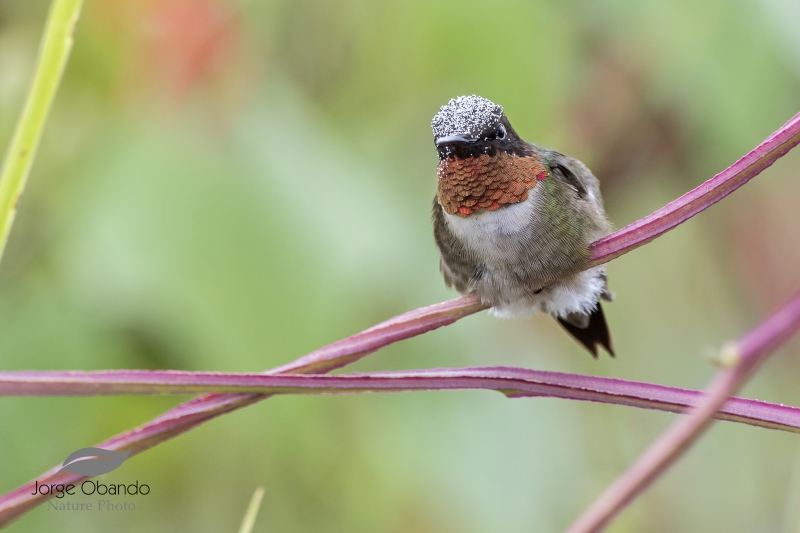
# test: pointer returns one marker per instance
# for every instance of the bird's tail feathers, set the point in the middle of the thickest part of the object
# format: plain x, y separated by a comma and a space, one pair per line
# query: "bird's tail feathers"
592, 333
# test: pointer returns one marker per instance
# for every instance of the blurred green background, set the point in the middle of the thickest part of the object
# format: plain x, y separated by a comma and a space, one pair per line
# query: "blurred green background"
227, 185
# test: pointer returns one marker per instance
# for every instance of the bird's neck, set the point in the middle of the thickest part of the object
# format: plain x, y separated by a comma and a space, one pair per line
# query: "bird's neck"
486, 181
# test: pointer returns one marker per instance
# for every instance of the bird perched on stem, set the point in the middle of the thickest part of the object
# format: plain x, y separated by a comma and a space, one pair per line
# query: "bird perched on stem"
513, 221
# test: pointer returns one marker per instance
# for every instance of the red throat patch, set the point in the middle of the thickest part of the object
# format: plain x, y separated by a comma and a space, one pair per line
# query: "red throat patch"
486, 182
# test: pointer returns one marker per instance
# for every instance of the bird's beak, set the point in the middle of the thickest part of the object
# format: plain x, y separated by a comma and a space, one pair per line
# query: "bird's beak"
454, 139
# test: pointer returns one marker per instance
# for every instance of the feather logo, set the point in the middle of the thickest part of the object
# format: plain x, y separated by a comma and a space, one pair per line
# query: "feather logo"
92, 462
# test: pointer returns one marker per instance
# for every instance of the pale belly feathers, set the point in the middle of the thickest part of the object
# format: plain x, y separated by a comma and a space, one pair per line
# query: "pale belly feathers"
512, 245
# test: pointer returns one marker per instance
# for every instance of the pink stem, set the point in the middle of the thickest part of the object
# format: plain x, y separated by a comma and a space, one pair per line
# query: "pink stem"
693, 202
194, 412
745, 356
513, 382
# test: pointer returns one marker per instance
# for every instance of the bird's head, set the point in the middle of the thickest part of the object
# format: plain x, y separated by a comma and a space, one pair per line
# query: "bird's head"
483, 163
468, 126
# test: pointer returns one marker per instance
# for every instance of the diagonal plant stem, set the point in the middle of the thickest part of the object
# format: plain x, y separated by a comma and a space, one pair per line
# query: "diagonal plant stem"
693, 202
513, 382
743, 358
53, 54
194, 412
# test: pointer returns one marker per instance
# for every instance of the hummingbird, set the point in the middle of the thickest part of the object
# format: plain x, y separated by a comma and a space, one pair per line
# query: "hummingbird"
513, 221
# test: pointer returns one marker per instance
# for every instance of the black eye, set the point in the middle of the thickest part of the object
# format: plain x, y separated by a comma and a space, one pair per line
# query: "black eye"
501, 132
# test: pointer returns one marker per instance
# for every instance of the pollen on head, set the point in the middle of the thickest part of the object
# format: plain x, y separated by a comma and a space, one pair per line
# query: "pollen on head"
466, 115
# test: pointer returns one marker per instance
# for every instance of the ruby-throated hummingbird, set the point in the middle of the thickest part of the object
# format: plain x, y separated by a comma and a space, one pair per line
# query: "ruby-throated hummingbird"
513, 221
